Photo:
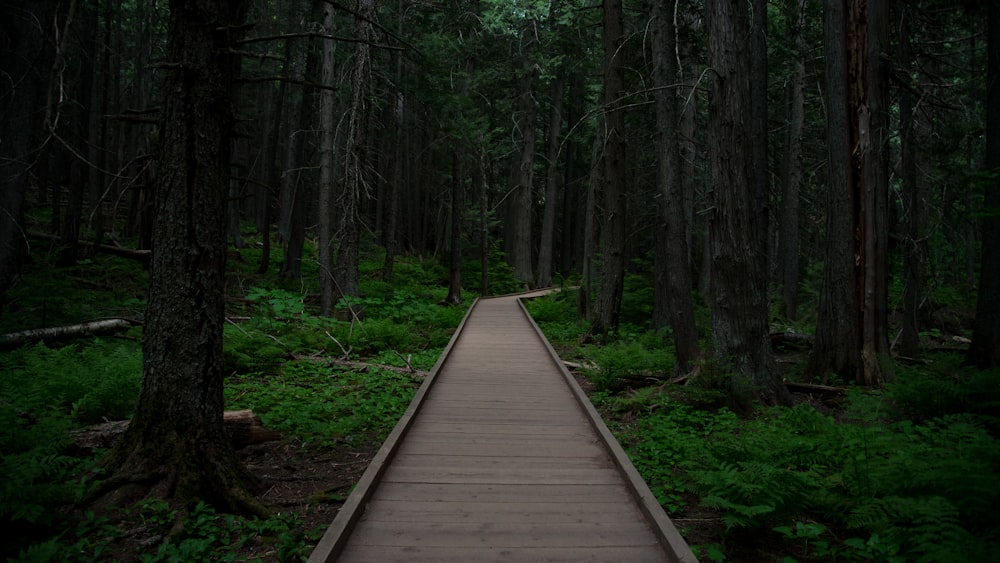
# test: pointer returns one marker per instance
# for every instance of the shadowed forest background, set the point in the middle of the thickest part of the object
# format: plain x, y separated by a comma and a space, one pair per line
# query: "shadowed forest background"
773, 225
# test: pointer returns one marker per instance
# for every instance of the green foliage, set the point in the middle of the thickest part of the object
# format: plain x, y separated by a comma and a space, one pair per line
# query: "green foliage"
626, 359
45, 393
320, 406
92, 382
946, 387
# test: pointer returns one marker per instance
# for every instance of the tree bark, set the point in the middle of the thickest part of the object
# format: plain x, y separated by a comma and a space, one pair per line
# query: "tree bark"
851, 335
607, 309
389, 234
909, 338
678, 278
457, 210
791, 184
521, 202
552, 180
326, 164
176, 443
984, 351
739, 303
355, 159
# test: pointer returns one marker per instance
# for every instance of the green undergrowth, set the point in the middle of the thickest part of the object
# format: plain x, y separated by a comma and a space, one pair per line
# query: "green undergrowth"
907, 473
205, 535
281, 359
884, 480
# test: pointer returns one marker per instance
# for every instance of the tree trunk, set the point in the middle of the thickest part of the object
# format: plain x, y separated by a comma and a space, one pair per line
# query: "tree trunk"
851, 335
479, 182
454, 296
177, 443
399, 154
791, 177
678, 278
984, 351
355, 158
608, 306
758, 128
909, 338
326, 164
591, 228
552, 180
739, 303
524, 194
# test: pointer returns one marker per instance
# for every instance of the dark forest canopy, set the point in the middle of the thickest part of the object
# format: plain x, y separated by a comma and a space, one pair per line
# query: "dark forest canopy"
535, 133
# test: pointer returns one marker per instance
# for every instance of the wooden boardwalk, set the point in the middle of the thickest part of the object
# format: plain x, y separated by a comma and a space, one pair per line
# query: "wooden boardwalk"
500, 457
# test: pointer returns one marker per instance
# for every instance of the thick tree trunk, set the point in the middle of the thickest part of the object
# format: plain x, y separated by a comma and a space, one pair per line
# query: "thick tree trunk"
177, 443
739, 303
607, 309
984, 352
851, 336
678, 278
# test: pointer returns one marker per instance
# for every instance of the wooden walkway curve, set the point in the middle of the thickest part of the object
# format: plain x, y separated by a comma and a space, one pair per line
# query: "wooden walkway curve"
501, 457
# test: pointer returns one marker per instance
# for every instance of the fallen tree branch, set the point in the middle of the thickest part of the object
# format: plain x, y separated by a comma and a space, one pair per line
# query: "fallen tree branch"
92, 328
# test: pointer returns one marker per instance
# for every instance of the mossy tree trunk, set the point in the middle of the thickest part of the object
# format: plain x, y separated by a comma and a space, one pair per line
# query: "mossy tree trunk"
176, 446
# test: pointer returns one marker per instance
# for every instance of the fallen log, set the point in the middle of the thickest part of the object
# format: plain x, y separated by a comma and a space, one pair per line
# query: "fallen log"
243, 426
120, 251
813, 388
92, 328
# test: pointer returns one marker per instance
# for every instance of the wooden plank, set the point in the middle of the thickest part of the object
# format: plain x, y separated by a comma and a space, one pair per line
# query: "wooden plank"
464, 462
558, 449
506, 534
500, 512
616, 554
488, 493
501, 476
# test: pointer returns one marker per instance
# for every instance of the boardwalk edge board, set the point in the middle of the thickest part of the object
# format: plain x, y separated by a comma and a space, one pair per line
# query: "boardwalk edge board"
332, 543
663, 527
